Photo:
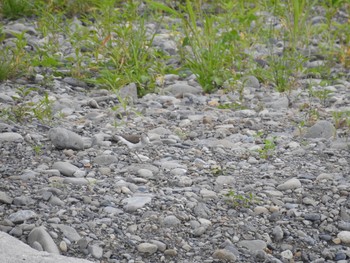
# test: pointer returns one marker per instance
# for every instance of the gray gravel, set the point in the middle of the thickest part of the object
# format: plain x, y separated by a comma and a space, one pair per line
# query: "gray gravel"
206, 188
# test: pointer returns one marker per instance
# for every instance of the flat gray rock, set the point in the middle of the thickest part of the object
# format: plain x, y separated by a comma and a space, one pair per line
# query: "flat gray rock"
65, 139
225, 180
253, 245
179, 89
105, 159
5, 198
344, 236
76, 181
68, 231
136, 202
147, 248
65, 168
128, 92
40, 235
250, 81
224, 255
170, 221
10, 137
75, 82
96, 251
13, 250
21, 216
321, 129
290, 184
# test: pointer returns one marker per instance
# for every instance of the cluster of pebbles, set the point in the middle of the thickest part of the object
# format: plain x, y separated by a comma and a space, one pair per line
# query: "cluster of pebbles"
206, 189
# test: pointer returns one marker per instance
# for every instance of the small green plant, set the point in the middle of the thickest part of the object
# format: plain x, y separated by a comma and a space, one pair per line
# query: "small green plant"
37, 148
301, 126
181, 133
13, 9
5, 69
259, 134
322, 94
341, 118
58, 184
206, 52
267, 150
217, 170
284, 70
43, 109
241, 200
24, 110
14, 60
21, 110
233, 105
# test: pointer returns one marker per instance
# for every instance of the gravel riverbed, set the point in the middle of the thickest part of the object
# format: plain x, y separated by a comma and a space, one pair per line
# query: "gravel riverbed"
241, 184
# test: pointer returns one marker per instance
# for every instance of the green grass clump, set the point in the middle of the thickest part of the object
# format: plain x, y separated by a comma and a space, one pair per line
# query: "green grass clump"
13, 9
206, 50
216, 40
238, 200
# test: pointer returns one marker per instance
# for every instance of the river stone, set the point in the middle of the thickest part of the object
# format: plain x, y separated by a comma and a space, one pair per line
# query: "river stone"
75, 82
287, 254
40, 235
170, 221
137, 201
344, 236
250, 81
63, 246
290, 184
65, 139
75, 181
11, 137
145, 173
5, 198
225, 180
13, 250
23, 200
128, 92
105, 159
253, 245
68, 231
321, 129
224, 255
96, 251
179, 89
161, 246
21, 216
279, 103
65, 168
277, 233
147, 248
54, 200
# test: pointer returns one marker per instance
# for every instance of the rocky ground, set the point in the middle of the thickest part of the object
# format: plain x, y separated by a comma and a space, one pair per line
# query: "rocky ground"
247, 183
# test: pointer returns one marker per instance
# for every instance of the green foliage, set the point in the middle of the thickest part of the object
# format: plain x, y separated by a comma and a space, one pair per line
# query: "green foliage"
341, 119
241, 200
37, 148
284, 70
268, 148
5, 69
233, 105
68, 7
13, 9
213, 38
206, 51
24, 110
321, 93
